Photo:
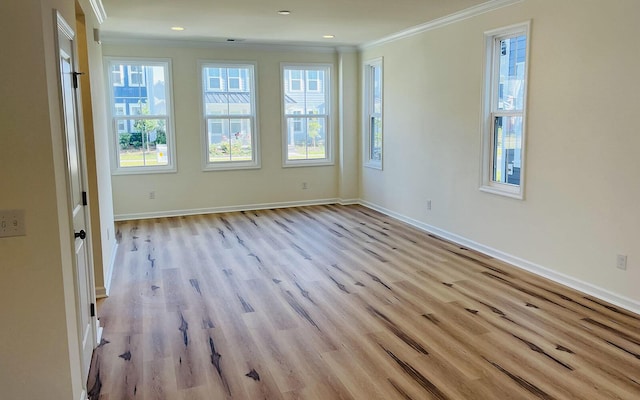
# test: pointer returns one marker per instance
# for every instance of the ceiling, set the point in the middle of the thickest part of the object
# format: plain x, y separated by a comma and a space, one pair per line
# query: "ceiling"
353, 22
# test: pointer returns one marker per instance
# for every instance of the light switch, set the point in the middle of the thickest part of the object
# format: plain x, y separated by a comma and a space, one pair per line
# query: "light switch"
12, 223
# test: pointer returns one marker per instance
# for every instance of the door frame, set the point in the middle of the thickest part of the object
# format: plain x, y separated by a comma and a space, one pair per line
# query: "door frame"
61, 27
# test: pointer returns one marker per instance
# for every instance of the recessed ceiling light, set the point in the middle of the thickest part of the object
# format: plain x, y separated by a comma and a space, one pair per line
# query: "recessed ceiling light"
329, 36
284, 12
177, 28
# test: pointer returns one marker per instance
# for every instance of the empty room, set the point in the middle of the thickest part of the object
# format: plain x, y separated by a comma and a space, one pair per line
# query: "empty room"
426, 199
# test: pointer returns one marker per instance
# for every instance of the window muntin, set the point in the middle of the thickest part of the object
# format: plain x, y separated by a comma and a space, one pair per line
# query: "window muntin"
373, 113
307, 134
229, 113
141, 116
505, 111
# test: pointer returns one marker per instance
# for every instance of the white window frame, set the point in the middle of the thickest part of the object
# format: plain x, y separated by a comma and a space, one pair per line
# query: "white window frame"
369, 111
251, 82
328, 116
143, 80
116, 169
490, 110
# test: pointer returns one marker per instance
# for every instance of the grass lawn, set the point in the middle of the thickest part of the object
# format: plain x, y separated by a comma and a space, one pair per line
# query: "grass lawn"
139, 158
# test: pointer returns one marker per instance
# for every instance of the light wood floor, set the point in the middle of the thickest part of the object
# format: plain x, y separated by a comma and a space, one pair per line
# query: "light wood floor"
335, 302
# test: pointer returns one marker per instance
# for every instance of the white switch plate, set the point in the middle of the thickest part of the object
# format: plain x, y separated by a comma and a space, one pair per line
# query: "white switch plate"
12, 223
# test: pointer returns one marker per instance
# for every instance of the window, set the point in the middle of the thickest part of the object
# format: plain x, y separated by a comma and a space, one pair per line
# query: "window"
234, 79
504, 117
117, 75
373, 113
214, 79
307, 134
229, 113
295, 80
136, 75
142, 128
121, 124
313, 81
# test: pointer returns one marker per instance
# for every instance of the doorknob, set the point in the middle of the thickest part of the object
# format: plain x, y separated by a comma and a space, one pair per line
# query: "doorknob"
82, 234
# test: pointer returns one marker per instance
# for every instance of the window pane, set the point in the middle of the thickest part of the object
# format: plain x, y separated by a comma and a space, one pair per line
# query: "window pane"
306, 138
376, 139
142, 142
511, 73
507, 149
377, 89
230, 139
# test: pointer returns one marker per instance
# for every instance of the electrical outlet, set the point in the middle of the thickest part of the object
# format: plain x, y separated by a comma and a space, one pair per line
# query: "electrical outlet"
305, 186
428, 205
621, 261
152, 195
12, 223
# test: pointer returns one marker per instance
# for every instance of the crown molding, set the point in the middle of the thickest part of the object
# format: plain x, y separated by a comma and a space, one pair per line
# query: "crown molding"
440, 22
98, 10
212, 44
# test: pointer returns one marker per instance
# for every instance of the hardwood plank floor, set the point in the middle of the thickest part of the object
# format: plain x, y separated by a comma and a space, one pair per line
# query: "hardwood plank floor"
341, 302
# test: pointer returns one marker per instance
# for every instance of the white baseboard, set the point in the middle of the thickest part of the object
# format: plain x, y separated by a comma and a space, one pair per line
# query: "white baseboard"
588, 288
215, 210
349, 202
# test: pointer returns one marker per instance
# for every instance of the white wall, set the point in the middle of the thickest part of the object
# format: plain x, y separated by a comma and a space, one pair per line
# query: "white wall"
191, 188
38, 333
582, 199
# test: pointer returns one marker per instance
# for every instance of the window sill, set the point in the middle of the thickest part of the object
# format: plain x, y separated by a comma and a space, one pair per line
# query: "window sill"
144, 170
514, 192
308, 163
229, 166
373, 165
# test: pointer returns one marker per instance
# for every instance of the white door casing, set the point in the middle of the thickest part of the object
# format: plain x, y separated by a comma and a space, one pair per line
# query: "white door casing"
76, 183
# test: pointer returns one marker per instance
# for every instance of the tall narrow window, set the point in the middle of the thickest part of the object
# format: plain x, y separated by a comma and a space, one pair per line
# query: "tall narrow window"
234, 76
307, 112
373, 113
229, 111
141, 116
117, 75
137, 75
213, 79
505, 111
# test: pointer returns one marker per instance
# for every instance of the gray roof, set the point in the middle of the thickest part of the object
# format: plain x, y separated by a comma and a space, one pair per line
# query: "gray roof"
234, 97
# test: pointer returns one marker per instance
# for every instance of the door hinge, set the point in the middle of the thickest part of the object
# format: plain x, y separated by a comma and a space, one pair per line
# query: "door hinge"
75, 78
84, 198
93, 310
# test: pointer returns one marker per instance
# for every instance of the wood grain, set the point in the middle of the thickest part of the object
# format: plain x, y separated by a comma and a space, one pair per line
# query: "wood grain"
341, 302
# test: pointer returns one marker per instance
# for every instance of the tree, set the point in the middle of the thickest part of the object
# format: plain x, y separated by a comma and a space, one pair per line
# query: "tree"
314, 129
147, 126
